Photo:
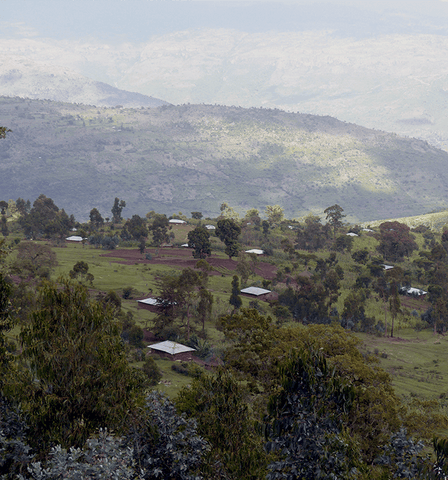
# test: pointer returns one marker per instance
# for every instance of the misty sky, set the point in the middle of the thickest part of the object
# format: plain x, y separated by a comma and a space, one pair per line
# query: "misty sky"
138, 20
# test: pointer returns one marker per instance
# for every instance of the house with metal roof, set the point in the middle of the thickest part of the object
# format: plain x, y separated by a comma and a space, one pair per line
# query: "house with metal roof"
259, 294
150, 304
172, 350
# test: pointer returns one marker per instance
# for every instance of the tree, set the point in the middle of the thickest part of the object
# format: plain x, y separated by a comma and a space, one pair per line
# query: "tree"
81, 270
305, 421
177, 296
394, 277
6, 311
396, 241
334, 217
116, 210
23, 207
78, 377
3, 207
96, 219
196, 215
152, 371
136, 226
4, 131
216, 401
235, 299
228, 231
4, 227
228, 212
312, 235
274, 213
204, 306
199, 240
253, 216
46, 219
102, 457
159, 229
15, 453
34, 260
165, 444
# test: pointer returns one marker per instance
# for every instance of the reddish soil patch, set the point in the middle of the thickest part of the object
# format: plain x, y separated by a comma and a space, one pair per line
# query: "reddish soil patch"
182, 258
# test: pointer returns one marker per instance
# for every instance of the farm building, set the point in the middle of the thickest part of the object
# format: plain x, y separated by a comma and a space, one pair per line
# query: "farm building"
177, 221
412, 292
387, 267
172, 350
259, 294
257, 251
148, 304
74, 238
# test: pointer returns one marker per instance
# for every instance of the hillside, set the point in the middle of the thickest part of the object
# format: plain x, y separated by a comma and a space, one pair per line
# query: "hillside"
194, 157
23, 77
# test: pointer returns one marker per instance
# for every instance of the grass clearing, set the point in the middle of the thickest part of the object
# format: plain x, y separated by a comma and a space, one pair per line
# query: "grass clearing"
417, 361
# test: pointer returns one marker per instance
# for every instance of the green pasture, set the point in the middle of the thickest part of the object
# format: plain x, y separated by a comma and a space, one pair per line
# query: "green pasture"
417, 361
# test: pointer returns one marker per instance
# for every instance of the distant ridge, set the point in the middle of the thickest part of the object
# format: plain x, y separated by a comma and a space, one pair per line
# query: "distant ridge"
194, 157
20, 77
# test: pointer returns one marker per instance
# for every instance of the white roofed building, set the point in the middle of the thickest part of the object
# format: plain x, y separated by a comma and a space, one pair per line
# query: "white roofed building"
150, 304
172, 350
74, 238
259, 293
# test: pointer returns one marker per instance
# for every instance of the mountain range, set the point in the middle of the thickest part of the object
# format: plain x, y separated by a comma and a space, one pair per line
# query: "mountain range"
395, 82
195, 157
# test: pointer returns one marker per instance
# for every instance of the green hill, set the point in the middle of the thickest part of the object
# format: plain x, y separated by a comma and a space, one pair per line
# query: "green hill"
194, 157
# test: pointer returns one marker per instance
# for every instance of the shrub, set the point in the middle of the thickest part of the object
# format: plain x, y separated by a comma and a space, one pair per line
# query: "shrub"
152, 371
165, 444
103, 457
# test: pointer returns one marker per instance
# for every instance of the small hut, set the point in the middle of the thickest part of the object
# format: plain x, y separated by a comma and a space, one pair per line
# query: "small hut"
148, 304
172, 350
260, 294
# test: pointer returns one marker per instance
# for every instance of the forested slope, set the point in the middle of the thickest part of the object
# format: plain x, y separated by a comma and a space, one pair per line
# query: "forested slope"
194, 157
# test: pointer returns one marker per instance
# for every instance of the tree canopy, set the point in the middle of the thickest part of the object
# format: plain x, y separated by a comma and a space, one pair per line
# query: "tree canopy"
78, 375
199, 241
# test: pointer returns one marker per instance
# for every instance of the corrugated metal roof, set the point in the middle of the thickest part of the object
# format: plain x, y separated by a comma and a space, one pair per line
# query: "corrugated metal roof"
255, 291
74, 238
149, 301
171, 347
257, 251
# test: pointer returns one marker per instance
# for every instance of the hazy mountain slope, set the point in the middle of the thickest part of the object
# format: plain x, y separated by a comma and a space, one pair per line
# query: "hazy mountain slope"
195, 157
393, 82
24, 78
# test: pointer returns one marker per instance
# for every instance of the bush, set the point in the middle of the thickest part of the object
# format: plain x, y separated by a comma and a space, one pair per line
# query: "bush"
152, 371
189, 369
103, 457
127, 292
165, 444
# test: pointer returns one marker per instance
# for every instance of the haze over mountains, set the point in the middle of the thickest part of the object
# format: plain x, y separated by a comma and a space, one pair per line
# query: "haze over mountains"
382, 66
